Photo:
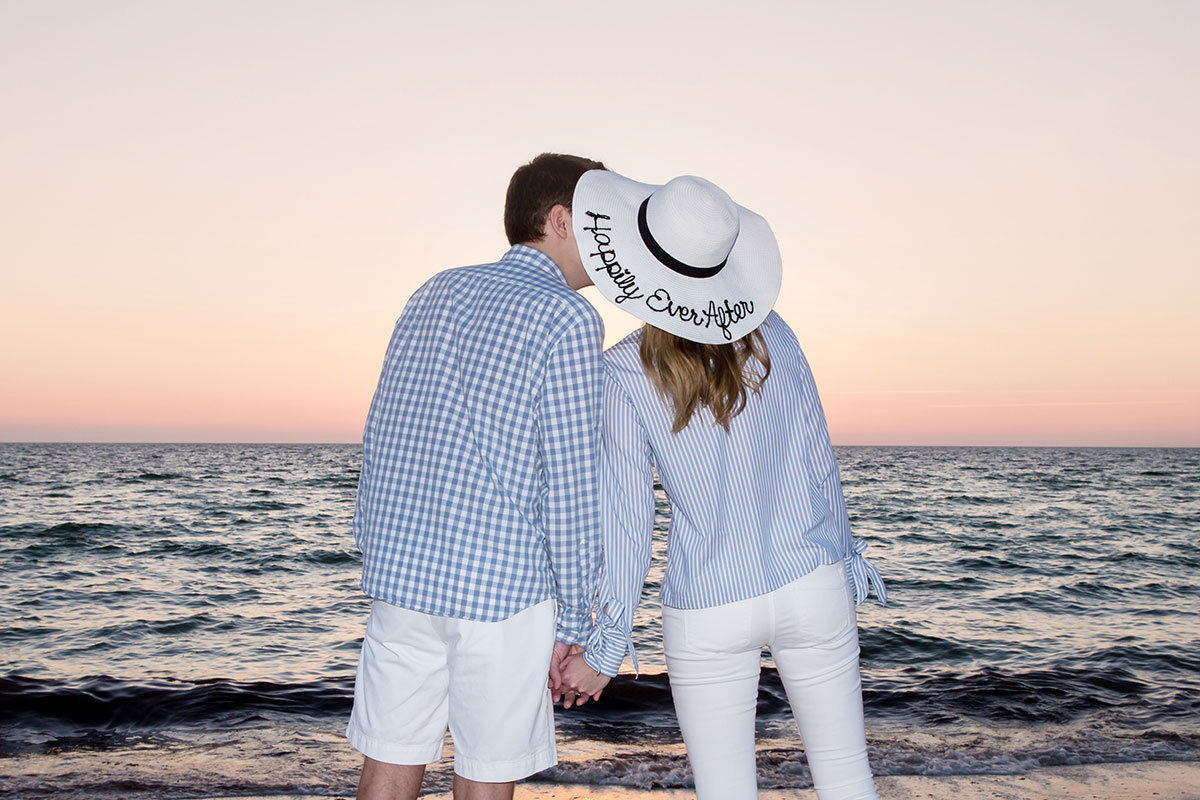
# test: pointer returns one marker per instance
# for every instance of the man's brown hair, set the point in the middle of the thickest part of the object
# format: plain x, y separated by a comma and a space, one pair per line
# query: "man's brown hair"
547, 181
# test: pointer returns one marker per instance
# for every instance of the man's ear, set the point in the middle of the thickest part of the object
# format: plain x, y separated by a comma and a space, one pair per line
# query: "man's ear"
558, 222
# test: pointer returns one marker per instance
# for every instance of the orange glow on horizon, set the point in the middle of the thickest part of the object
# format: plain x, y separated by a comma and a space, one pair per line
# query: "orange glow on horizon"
213, 216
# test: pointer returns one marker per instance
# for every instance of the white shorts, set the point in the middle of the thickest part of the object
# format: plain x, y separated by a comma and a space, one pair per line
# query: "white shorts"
487, 680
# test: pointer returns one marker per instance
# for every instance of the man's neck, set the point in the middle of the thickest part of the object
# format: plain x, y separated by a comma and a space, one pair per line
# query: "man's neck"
575, 278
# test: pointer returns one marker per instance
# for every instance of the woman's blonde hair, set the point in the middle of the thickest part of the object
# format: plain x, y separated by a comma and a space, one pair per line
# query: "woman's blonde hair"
689, 375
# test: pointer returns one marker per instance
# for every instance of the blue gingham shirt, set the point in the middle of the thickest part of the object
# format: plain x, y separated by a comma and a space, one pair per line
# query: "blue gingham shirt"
478, 493
752, 510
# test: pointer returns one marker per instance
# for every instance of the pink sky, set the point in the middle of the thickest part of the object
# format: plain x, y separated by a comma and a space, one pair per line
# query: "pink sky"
212, 213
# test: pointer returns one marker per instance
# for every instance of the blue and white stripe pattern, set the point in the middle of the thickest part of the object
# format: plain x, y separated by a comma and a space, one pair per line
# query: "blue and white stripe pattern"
752, 510
478, 494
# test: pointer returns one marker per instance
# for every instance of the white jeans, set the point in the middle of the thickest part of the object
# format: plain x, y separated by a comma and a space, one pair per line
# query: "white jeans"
713, 661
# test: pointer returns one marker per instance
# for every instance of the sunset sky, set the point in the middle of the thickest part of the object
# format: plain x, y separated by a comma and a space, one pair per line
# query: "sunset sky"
211, 213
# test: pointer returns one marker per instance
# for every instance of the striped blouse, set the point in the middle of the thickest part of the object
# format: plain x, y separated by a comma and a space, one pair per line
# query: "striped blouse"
751, 510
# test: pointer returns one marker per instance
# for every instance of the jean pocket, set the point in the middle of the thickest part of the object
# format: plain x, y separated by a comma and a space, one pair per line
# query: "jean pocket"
726, 628
815, 615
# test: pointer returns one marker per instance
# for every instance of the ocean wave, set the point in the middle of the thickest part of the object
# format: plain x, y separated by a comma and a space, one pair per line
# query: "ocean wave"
897, 644
266, 505
348, 480
66, 532
1061, 693
339, 557
105, 704
1058, 694
147, 477
961, 583
787, 768
199, 549
977, 499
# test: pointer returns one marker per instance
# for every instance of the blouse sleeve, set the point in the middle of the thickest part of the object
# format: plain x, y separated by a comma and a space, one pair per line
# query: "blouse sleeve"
626, 524
861, 573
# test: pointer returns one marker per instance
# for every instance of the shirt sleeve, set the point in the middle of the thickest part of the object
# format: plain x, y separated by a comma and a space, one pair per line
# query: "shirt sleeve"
860, 572
626, 524
378, 402
568, 411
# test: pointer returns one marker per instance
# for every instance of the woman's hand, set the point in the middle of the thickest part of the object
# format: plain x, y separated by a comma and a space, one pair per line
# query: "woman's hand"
581, 680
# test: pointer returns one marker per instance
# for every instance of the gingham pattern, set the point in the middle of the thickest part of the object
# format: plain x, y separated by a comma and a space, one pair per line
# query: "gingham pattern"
752, 510
478, 493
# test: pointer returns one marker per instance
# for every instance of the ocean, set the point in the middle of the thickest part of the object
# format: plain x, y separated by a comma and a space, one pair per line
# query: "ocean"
184, 621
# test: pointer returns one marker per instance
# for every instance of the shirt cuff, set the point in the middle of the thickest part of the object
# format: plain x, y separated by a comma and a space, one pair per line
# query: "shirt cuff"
608, 643
572, 626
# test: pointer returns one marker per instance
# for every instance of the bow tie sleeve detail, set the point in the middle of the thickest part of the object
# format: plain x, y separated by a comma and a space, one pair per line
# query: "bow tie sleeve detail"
611, 637
863, 574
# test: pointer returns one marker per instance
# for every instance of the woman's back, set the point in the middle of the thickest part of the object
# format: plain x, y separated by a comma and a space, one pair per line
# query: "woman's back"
753, 508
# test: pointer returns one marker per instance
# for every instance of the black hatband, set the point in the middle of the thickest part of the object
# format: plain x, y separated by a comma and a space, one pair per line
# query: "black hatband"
666, 258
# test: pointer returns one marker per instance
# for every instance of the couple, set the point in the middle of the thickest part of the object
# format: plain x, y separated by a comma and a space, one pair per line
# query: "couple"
506, 500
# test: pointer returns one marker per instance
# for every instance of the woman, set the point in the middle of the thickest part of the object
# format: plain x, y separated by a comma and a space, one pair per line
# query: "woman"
715, 394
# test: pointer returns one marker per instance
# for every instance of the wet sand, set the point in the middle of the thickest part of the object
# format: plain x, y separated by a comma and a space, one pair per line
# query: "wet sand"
1148, 780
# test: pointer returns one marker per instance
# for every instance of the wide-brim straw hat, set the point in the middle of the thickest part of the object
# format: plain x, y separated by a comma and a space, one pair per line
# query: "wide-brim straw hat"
682, 257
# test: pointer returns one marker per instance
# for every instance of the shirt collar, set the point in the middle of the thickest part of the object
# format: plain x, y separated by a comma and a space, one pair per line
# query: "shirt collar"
533, 258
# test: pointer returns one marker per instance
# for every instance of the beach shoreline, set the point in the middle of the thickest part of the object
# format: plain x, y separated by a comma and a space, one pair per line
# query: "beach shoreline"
1143, 780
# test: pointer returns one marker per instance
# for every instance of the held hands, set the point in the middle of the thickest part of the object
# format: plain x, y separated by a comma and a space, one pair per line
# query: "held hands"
578, 677
561, 651
571, 679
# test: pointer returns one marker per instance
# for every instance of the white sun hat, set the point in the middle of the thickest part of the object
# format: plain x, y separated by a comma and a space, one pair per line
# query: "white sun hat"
682, 257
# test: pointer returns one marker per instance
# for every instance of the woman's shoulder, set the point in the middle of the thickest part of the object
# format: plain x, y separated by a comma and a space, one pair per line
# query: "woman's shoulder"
774, 326
625, 354
779, 336
623, 369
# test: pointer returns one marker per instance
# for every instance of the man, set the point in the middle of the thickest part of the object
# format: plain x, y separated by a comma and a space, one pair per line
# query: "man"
477, 510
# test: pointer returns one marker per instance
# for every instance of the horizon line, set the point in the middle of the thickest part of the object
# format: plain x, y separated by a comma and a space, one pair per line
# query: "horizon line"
835, 444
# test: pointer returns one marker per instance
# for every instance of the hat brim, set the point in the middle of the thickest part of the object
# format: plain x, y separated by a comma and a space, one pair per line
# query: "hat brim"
715, 310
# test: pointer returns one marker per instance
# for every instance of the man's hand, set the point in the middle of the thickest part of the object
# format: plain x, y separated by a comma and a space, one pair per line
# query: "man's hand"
579, 681
561, 651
